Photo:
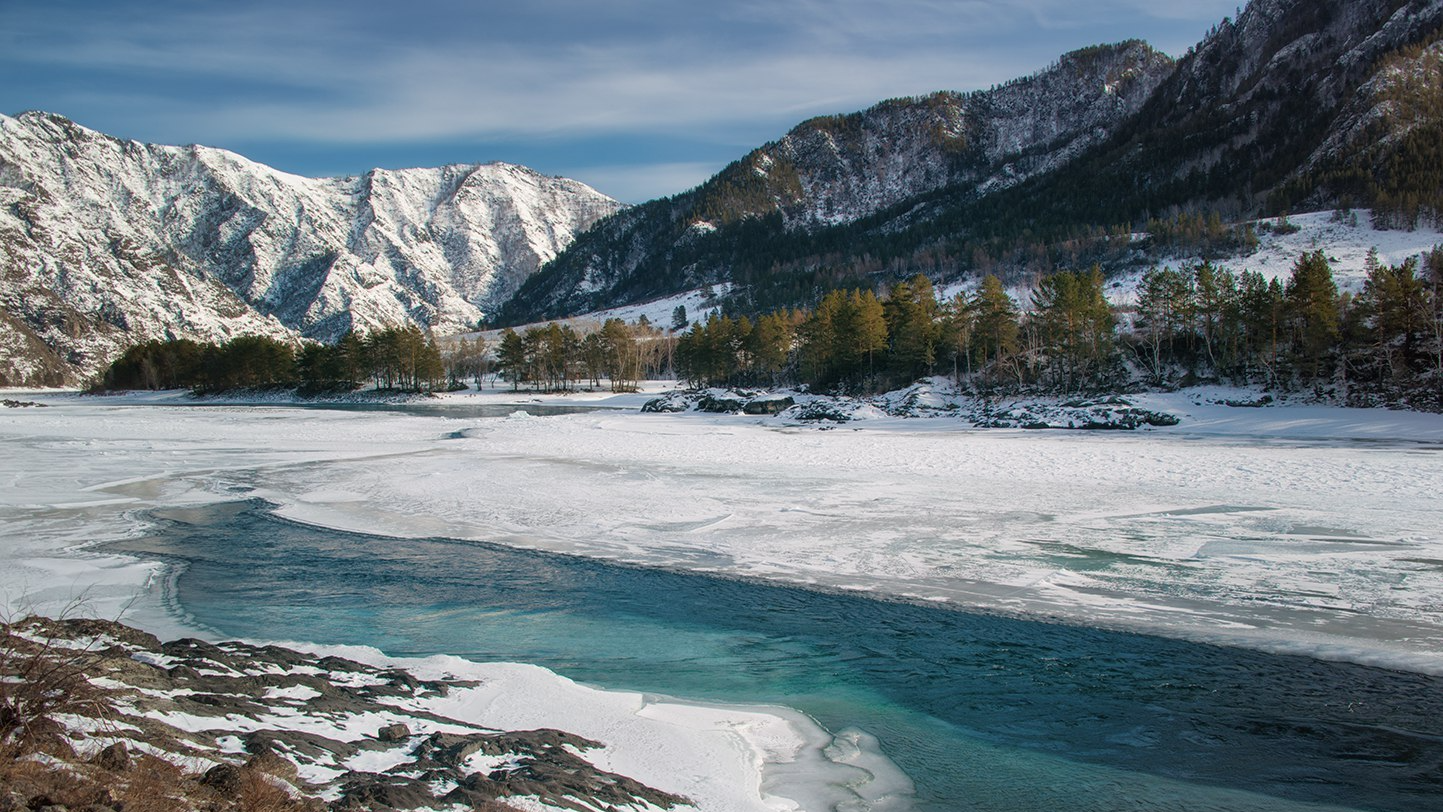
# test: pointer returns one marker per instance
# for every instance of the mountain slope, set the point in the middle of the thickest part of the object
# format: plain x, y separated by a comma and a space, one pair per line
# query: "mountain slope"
837, 170
1249, 109
105, 242
1296, 104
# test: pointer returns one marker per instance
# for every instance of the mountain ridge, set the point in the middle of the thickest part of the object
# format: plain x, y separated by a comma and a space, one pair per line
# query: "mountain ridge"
1240, 126
832, 170
1297, 104
105, 242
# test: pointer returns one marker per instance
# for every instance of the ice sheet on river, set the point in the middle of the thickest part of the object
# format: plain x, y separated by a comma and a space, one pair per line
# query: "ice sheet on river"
1309, 529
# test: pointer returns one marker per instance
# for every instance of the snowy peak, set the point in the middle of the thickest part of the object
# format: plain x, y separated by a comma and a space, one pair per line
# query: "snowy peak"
104, 242
839, 169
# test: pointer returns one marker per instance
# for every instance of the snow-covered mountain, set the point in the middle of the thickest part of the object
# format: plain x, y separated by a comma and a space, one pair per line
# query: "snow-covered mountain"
1296, 105
105, 242
836, 170
850, 167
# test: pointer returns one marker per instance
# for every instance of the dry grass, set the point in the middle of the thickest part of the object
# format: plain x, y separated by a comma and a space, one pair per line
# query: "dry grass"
43, 678
40, 679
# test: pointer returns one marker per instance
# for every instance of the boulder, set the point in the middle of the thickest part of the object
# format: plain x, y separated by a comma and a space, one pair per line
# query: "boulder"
115, 758
394, 733
768, 406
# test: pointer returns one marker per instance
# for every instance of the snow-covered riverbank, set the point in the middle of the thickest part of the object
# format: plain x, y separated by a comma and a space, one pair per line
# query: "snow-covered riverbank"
1301, 528
88, 475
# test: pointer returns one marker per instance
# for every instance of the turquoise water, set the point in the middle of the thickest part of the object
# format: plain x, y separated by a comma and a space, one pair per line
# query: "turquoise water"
982, 712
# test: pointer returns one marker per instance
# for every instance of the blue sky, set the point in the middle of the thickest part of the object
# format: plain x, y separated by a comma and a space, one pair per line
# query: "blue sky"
639, 98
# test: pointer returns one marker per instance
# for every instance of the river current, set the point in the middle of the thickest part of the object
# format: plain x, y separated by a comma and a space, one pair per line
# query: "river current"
982, 712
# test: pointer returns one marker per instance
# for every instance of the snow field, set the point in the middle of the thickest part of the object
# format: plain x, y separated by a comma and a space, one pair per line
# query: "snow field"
82, 474
1295, 528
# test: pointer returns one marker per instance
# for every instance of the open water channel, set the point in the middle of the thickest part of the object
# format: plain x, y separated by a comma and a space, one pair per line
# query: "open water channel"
983, 712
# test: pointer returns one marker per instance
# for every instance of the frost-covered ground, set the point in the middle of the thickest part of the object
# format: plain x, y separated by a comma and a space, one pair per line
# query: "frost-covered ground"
1345, 239
1303, 528
1309, 528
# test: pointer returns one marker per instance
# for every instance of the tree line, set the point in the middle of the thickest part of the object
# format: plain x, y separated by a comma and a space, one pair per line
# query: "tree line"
558, 357
393, 358
1194, 323
1200, 322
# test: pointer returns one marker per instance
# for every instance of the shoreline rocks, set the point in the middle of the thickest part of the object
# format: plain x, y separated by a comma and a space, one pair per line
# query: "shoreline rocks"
330, 733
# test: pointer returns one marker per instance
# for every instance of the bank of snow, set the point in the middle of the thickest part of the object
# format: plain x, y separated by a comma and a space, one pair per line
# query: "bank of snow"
1345, 238
89, 473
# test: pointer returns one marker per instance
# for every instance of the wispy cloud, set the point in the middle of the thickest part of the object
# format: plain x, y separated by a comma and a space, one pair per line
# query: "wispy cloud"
363, 71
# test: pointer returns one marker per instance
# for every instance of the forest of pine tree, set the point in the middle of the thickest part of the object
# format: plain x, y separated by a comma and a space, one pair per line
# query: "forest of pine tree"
1192, 324
394, 358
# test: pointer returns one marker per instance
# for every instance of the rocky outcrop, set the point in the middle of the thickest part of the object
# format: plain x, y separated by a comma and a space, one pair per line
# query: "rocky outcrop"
227, 719
928, 398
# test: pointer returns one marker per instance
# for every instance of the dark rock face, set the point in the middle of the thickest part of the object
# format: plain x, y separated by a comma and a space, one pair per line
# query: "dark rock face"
768, 406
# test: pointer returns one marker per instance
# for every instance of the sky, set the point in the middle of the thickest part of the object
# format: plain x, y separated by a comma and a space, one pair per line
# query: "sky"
639, 98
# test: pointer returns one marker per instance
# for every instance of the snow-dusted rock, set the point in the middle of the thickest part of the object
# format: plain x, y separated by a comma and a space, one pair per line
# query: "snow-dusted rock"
105, 242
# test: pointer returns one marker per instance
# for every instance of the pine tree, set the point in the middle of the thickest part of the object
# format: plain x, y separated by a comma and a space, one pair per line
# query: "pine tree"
1396, 309
1075, 325
997, 326
511, 358
1164, 309
959, 320
1313, 315
912, 314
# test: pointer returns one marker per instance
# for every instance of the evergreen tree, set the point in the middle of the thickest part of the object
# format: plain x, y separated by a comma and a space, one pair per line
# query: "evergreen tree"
1164, 311
1075, 325
913, 328
818, 341
1396, 310
997, 327
859, 333
1215, 313
1262, 304
771, 348
1313, 315
511, 358
958, 323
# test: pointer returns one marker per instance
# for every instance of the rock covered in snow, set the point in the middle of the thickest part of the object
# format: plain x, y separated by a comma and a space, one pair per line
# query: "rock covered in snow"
930, 397
106, 242
1103, 414
355, 736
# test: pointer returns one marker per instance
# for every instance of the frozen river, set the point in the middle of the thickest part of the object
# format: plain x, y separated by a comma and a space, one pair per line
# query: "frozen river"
1289, 531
